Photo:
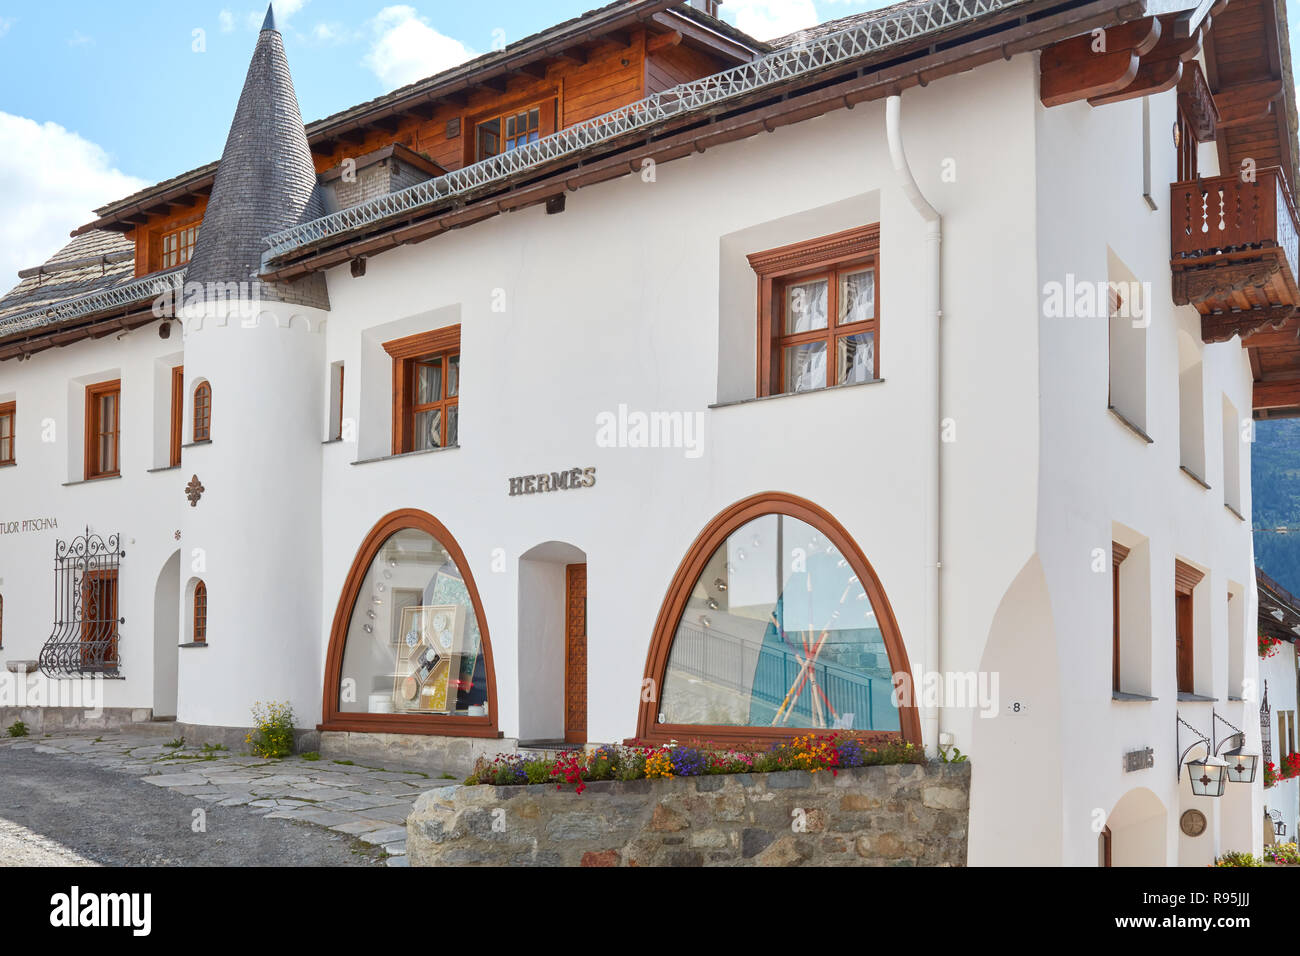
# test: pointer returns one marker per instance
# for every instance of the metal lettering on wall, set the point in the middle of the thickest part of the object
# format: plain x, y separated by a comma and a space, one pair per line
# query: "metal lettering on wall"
553, 481
28, 524
1139, 760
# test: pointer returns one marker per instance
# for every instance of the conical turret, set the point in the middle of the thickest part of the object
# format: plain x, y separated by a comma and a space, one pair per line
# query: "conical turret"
266, 181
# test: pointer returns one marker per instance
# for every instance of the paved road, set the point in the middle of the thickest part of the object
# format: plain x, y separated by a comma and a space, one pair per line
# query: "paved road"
117, 820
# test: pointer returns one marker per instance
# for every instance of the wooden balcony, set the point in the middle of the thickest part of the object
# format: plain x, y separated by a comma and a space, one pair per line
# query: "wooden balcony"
1234, 250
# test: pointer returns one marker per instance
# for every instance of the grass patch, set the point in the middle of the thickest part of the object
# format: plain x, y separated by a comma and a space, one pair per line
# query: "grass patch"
175, 744
345, 763
19, 729
312, 755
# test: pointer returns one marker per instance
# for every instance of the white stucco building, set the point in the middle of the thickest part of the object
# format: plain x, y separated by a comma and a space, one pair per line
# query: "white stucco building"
497, 446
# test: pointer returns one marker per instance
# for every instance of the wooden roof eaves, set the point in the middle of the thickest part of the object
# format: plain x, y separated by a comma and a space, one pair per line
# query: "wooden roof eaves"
696, 132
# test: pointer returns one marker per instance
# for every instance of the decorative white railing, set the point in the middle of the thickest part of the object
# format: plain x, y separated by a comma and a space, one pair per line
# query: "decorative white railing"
129, 293
797, 60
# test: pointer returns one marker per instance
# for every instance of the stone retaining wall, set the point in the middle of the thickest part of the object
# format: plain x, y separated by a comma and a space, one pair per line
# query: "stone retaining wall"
904, 815
451, 754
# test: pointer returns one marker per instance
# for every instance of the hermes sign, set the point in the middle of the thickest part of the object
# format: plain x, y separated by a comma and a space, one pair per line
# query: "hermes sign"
553, 481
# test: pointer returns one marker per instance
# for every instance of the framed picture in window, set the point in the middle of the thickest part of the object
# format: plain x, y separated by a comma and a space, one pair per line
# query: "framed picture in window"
427, 655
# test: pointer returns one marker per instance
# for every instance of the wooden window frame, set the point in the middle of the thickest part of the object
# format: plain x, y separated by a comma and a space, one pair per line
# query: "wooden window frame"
406, 354
1186, 578
90, 628
679, 592
1118, 553
338, 434
199, 622
332, 718
828, 257
203, 389
547, 110
9, 410
186, 236
178, 415
94, 394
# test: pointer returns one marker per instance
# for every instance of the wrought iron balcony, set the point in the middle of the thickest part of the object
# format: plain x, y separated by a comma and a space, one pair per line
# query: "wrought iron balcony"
1234, 250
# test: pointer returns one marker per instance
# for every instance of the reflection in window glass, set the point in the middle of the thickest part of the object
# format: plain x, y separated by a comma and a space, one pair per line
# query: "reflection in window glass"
857, 357
779, 632
413, 643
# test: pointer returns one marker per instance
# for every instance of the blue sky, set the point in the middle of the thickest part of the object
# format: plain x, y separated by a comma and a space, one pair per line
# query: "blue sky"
98, 99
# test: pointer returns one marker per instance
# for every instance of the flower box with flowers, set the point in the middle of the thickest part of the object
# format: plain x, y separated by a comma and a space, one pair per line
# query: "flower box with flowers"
576, 769
830, 800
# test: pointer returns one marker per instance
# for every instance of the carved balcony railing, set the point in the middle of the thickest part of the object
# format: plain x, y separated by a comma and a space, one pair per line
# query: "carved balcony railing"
1234, 250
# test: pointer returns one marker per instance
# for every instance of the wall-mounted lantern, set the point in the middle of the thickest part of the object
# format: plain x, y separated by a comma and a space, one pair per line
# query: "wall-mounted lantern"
1208, 774
1241, 764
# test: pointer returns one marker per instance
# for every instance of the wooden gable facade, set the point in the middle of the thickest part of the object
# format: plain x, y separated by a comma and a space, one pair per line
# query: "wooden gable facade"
562, 83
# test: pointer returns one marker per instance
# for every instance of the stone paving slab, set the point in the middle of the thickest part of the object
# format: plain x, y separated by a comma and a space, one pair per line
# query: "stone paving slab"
368, 802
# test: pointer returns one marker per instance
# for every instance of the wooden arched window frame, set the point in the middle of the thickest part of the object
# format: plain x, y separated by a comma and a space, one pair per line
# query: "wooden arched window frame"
679, 591
332, 718
202, 412
199, 633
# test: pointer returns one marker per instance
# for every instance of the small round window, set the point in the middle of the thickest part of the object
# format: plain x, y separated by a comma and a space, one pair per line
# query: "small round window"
414, 644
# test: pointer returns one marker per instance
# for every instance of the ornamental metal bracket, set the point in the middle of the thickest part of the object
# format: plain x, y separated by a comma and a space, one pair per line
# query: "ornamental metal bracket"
1182, 754
1236, 732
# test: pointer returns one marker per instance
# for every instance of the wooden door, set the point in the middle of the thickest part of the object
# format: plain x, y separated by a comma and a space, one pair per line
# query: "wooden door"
575, 655
1183, 616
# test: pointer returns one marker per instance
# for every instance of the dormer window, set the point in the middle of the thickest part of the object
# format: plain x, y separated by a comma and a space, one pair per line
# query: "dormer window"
500, 134
178, 246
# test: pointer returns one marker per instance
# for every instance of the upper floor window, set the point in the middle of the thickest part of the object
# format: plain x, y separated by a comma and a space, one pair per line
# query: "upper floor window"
202, 412
178, 246
426, 390
8, 417
178, 412
200, 631
103, 429
1186, 578
500, 134
819, 307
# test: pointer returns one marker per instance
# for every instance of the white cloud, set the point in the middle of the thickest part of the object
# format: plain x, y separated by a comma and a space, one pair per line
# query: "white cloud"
405, 48
769, 19
5, 24
227, 21
50, 181
80, 39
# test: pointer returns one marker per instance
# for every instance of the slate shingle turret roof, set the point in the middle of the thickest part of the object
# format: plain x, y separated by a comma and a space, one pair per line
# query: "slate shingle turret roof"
266, 180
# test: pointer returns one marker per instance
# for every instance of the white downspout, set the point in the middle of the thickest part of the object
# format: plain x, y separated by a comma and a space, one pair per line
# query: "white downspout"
930, 417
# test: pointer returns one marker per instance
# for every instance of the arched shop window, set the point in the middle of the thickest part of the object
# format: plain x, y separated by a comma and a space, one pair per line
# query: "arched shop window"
409, 649
775, 626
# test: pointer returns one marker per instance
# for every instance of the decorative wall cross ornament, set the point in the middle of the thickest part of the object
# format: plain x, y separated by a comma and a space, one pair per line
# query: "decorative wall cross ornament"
194, 491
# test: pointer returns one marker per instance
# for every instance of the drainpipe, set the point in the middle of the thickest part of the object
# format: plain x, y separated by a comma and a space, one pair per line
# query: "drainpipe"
930, 412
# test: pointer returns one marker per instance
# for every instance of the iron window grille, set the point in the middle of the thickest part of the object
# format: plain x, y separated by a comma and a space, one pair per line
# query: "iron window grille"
87, 617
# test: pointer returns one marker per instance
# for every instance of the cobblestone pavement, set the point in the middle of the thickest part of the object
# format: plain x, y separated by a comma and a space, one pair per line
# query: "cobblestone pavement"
366, 802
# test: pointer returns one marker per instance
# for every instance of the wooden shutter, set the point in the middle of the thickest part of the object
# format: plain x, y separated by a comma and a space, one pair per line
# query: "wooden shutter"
1118, 553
